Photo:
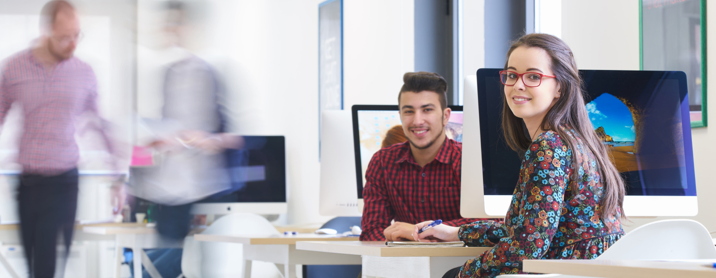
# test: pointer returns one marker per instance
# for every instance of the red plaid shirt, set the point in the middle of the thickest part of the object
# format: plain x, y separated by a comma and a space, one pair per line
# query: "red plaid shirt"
397, 188
51, 100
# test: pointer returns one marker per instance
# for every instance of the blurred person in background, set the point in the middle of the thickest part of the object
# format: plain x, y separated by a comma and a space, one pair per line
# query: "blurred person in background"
54, 89
190, 138
193, 138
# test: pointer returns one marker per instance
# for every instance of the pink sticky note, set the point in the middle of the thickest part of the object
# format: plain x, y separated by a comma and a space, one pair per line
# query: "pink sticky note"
141, 156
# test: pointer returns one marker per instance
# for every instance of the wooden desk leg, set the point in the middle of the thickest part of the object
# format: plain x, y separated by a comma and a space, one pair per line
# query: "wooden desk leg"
289, 270
137, 256
282, 269
118, 255
246, 250
247, 268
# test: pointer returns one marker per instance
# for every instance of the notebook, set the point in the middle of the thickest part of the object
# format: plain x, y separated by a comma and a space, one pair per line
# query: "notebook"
424, 244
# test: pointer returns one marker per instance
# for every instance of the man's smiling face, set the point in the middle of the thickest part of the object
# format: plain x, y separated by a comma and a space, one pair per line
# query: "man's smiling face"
423, 118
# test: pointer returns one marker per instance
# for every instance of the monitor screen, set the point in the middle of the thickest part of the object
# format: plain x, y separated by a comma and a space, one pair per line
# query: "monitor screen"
258, 171
371, 125
641, 116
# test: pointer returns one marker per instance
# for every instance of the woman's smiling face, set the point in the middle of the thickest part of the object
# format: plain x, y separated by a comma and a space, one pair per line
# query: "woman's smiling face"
531, 103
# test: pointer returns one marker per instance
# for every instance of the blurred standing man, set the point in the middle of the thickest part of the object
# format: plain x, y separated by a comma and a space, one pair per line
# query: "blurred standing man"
54, 89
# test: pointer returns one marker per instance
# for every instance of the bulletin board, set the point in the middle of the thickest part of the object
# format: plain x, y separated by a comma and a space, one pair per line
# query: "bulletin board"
330, 58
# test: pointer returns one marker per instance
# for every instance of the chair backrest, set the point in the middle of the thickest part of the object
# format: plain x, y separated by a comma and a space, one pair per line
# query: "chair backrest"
343, 223
241, 224
675, 239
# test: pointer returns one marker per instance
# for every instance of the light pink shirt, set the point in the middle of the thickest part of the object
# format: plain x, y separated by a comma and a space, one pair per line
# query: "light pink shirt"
51, 101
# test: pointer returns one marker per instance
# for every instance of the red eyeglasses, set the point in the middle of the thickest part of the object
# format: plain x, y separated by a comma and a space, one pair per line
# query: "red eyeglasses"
530, 79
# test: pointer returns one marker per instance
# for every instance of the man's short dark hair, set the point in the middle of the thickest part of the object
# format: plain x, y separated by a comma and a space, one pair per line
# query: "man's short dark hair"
417, 82
51, 9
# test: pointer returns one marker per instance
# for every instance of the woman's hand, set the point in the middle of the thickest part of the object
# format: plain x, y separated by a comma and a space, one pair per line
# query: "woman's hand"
436, 233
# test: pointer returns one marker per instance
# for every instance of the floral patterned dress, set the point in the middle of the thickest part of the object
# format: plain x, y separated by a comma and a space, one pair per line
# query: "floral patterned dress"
546, 219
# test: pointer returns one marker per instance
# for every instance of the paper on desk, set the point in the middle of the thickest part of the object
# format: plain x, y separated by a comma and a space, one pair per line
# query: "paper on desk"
424, 244
101, 221
700, 261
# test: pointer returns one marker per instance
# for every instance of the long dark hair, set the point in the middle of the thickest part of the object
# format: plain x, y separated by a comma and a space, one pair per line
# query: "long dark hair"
567, 116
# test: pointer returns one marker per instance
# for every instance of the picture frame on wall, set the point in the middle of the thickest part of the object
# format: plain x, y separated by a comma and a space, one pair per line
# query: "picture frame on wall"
672, 36
330, 58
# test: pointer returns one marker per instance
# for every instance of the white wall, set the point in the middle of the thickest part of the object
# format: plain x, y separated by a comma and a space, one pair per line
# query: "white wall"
605, 35
602, 34
379, 49
473, 35
275, 78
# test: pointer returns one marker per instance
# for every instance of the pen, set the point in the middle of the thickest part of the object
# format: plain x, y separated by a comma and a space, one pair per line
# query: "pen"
435, 223
712, 265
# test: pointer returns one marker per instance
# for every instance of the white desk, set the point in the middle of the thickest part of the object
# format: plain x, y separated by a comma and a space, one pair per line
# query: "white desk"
137, 238
10, 234
380, 260
281, 250
626, 268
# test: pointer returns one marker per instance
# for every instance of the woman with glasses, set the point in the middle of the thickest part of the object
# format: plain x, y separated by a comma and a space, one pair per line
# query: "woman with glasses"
567, 203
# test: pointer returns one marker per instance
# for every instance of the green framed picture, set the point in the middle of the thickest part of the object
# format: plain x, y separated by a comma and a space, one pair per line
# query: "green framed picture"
672, 36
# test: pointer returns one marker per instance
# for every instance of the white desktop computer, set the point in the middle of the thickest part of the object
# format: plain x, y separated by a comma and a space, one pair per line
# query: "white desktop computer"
338, 196
643, 115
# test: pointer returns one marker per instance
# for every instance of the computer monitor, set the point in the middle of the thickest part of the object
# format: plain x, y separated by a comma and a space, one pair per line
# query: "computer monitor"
257, 174
258, 179
337, 196
643, 118
370, 126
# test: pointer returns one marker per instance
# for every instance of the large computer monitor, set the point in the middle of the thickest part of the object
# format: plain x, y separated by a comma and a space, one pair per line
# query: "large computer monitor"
370, 126
337, 196
258, 179
643, 117
257, 174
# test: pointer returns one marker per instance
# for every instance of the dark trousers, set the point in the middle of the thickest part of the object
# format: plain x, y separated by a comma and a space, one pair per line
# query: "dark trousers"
173, 221
47, 206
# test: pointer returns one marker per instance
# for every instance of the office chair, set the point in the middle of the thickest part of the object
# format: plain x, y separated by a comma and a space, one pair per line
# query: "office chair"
654, 241
341, 225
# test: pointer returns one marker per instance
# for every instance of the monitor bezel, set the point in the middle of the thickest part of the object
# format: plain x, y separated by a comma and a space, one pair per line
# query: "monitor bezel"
356, 136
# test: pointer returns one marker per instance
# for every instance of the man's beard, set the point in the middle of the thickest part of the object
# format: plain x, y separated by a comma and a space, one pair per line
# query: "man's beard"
431, 141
